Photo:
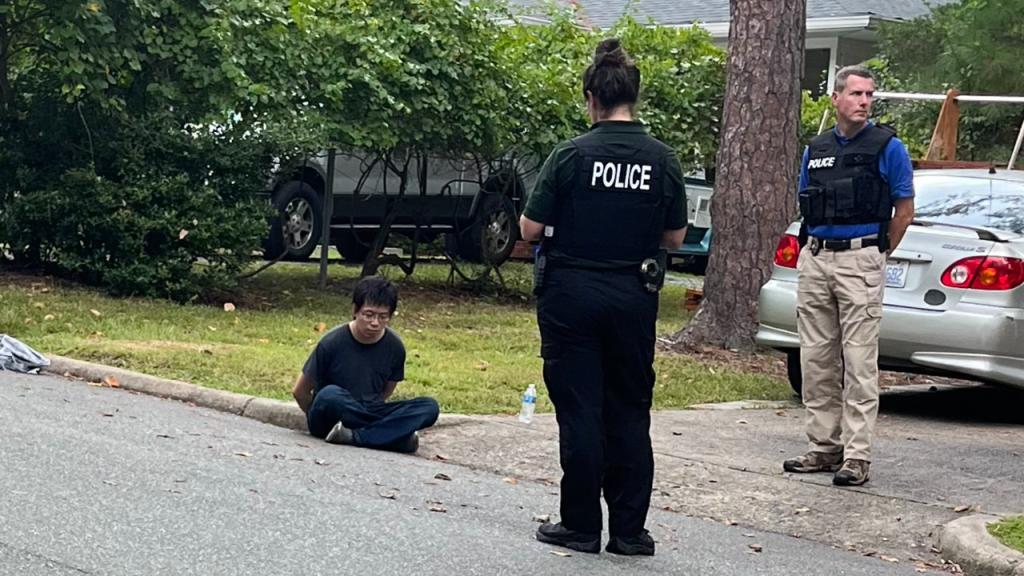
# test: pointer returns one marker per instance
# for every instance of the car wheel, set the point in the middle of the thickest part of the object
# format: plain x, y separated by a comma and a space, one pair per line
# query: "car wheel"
296, 229
493, 233
796, 378
354, 247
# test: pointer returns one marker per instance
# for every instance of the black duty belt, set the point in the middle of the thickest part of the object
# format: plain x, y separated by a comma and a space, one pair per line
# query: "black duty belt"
840, 245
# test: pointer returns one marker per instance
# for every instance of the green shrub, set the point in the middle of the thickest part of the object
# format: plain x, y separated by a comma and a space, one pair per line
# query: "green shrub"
159, 236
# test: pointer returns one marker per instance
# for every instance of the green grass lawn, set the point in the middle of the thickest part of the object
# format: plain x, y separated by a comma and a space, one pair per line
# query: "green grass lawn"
473, 348
1010, 532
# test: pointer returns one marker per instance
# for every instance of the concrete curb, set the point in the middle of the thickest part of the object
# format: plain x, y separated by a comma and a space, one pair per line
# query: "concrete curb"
967, 542
274, 412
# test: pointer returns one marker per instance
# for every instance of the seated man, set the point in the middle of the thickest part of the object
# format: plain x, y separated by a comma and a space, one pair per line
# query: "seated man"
353, 370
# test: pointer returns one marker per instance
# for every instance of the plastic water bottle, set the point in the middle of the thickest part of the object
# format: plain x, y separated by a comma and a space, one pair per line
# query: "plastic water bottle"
529, 404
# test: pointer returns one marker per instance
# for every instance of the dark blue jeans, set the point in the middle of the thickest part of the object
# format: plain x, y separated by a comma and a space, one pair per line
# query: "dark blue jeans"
373, 424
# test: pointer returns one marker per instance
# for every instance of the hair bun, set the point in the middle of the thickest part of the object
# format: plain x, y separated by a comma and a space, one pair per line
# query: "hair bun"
610, 53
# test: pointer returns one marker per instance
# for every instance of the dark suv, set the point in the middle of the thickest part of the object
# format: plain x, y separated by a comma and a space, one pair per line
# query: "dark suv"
479, 216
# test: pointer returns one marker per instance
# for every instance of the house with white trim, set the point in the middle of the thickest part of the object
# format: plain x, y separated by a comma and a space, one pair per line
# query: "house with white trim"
839, 32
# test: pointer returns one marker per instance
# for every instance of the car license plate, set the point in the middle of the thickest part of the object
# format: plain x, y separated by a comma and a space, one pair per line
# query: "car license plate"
896, 273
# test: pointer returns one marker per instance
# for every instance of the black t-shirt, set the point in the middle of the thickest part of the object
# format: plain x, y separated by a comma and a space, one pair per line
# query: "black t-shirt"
362, 369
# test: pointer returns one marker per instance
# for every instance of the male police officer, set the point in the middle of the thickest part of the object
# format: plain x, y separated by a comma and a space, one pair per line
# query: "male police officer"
852, 178
606, 202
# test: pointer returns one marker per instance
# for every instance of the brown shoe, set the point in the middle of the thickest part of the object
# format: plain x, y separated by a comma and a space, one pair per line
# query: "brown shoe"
853, 473
814, 462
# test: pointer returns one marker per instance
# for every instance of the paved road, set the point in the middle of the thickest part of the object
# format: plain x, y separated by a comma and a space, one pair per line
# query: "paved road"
102, 481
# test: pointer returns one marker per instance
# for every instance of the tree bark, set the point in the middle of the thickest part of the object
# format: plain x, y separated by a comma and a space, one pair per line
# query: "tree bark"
755, 189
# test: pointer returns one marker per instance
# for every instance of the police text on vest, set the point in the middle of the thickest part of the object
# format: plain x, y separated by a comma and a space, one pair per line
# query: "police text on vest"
827, 162
622, 176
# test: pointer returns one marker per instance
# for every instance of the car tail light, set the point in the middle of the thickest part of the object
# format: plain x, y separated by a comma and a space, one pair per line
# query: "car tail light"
985, 273
787, 252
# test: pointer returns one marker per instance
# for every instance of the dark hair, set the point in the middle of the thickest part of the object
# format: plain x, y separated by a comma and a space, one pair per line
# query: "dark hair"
612, 77
846, 72
375, 291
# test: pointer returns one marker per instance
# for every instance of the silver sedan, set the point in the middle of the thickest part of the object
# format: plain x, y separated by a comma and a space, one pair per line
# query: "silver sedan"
954, 301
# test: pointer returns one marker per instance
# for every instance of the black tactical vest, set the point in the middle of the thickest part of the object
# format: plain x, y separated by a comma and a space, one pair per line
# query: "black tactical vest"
843, 184
614, 213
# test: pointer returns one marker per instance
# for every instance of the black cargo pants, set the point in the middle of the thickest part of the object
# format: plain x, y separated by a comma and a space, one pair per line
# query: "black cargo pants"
597, 341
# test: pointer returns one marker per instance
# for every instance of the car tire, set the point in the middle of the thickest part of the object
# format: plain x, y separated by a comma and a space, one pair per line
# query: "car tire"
493, 233
353, 246
296, 228
793, 372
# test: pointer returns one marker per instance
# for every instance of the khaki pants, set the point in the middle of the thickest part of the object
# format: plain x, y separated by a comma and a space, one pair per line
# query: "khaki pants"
839, 309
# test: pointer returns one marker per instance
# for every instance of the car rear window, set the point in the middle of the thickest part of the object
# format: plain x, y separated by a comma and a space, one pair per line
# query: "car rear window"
970, 201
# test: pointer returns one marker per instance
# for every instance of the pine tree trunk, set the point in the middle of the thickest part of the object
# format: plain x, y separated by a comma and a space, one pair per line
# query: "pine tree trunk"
757, 164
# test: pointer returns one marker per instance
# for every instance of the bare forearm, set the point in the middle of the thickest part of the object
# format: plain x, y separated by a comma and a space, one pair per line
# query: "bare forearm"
900, 221
303, 393
897, 228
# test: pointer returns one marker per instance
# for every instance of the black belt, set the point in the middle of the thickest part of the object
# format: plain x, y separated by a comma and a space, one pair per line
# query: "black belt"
840, 245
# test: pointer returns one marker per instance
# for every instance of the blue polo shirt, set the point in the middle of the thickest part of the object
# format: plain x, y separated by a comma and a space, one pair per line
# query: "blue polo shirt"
895, 168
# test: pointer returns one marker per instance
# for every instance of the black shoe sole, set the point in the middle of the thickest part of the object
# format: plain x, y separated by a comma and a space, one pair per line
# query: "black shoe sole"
589, 546
839, 482
629, 549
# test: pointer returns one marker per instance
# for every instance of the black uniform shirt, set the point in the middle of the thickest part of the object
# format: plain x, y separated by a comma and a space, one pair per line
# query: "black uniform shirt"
559, 172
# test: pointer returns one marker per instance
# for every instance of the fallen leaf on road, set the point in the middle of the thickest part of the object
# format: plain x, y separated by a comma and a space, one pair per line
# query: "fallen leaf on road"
542, 518
748, 535
802, 510
440, 476
108, 414
95, 312
229, 307
110, 483
889, 559
755, 547
677, 433
388, 495
243, 454
437, 508
560, 553
320, 327
510, 480
780, 412
319, 461
165, 436
111, 381
441, 457
741, 421
730, 522
961, 508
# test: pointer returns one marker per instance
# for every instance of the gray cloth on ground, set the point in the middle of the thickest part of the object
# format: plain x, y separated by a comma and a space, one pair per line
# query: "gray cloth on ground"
16, 356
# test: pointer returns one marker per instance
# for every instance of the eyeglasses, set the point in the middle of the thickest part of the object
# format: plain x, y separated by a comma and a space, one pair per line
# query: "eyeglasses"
381, 317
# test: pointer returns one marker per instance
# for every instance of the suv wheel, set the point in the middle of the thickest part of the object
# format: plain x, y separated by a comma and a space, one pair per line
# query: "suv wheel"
297, 228
493, 233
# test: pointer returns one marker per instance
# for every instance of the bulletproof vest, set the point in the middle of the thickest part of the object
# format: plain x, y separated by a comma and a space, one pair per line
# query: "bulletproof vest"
843, 184
615, 210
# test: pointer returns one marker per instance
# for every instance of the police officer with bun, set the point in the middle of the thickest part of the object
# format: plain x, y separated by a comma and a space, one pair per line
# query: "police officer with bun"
853, 178
605, 207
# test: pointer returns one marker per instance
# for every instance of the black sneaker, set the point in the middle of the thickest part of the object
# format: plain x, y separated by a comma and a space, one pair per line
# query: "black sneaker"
589, 542
640, 545
407, 445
